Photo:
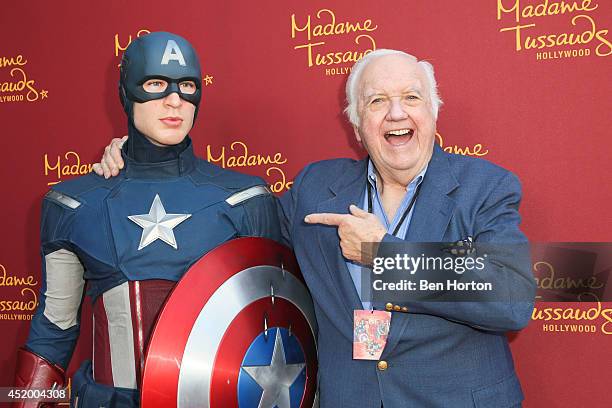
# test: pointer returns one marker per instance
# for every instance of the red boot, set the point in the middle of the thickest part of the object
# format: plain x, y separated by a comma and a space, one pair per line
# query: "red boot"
34, 372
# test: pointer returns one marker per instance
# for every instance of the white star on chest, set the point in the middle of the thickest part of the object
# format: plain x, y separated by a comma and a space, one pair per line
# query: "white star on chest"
276, 378
157, 224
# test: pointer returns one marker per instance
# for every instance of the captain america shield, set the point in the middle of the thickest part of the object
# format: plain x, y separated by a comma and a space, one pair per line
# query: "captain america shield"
238, 330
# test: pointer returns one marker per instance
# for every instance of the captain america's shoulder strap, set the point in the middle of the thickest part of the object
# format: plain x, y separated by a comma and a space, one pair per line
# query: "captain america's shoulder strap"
248, 195
70, 194
62, 199
244, 195
240, 187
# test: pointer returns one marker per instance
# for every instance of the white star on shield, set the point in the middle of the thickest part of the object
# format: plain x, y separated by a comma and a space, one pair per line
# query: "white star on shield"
276, 378
157, 224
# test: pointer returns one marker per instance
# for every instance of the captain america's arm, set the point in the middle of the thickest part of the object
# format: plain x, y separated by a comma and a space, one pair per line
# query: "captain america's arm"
260, 218
55, 325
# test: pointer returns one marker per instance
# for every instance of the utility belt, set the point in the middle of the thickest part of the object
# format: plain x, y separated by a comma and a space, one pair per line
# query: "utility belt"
87, 393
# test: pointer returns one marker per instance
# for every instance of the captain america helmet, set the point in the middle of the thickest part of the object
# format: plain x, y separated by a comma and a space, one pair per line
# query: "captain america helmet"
159, 55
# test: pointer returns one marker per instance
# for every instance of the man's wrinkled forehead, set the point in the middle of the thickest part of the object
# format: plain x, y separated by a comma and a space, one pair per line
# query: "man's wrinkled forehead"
392, 75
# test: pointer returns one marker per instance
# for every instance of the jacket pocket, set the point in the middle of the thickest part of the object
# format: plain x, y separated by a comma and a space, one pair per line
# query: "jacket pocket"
503, 394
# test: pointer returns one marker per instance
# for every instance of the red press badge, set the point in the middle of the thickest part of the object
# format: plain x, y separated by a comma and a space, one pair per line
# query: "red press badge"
370, 330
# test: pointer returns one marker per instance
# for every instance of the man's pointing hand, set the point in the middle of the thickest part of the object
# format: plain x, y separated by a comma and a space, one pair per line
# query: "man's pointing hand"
354, 229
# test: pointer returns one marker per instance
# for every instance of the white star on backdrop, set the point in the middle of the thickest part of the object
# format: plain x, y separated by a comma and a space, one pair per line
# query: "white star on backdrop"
157, 224
276, 378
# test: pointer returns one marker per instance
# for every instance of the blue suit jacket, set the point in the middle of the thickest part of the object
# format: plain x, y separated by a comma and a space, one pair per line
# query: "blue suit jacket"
438, 354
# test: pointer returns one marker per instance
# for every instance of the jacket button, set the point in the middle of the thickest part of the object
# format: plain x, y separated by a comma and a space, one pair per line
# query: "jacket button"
389, 306
397, 308
382, 365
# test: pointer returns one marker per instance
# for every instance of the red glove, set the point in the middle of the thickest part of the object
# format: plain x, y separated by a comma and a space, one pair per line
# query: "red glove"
34, 371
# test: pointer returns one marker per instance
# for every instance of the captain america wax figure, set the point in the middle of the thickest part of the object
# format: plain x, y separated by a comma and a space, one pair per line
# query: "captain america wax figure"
164, 211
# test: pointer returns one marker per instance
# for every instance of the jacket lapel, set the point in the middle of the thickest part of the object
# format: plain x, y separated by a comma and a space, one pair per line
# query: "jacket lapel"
432, 213
347, 190
433, 208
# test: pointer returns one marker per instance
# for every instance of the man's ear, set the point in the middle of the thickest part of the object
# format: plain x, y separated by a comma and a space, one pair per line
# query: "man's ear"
357, 135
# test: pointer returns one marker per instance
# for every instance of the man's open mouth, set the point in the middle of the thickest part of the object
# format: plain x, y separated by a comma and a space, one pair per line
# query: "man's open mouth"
399, 137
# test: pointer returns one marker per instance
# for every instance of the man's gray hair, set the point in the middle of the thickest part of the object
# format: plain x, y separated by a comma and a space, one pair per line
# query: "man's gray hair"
352, 83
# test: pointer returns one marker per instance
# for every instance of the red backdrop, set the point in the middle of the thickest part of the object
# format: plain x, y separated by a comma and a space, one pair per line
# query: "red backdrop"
526, 84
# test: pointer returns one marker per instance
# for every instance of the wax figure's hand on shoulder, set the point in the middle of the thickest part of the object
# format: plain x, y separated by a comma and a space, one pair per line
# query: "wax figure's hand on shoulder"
111, 162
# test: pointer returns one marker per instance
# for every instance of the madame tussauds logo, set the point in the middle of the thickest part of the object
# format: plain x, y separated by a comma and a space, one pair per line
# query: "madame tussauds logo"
18, 299
582, 38
588, 314
322, 40
59, 167
238, 155
15, 84
477, 150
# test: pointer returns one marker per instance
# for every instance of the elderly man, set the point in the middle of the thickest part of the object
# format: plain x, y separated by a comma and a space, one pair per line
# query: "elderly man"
436, 354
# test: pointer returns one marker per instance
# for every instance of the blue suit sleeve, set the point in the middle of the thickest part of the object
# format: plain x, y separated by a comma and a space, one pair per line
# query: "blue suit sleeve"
286, 207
